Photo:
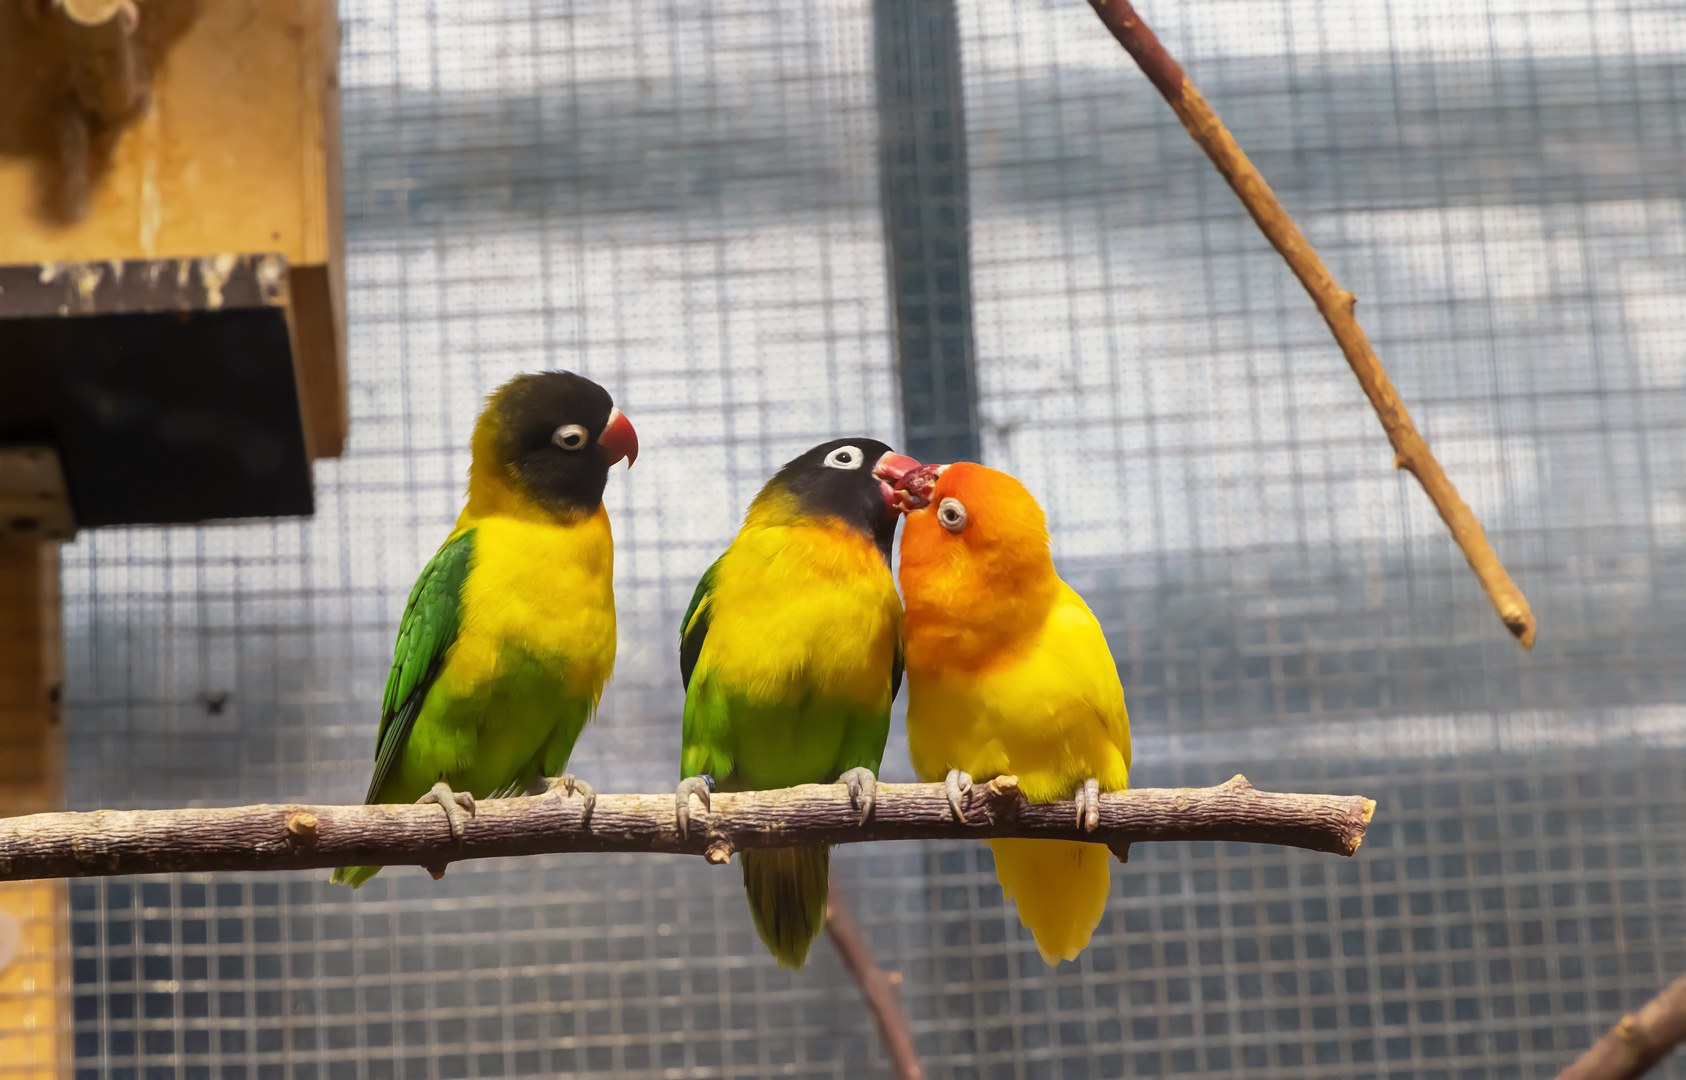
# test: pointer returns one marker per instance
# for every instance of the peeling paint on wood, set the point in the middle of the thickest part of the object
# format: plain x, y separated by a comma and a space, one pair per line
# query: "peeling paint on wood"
119, 287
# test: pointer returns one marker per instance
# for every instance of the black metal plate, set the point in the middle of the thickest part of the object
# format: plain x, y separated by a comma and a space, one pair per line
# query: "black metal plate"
160, 416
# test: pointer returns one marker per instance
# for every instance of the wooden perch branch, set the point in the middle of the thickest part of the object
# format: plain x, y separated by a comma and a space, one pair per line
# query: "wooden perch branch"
1335, 304
1638, 1042
107, 842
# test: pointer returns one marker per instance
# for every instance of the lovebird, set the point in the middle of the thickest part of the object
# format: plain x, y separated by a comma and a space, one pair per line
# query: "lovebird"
791, 655
1009, 674
509, 634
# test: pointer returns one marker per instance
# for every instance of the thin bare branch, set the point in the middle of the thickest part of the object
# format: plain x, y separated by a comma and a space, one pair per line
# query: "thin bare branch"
107, 842
1638, 1042
878, 987
1335, 304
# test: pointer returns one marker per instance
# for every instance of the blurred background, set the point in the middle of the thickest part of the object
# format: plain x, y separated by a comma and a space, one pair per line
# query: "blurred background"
737, 216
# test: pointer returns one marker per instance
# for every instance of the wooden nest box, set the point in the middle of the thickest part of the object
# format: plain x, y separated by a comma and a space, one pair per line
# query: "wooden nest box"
172, 292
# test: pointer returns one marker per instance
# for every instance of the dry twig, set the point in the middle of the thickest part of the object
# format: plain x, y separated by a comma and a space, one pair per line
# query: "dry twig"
107, 842
1335, 304
878, 987
1638, 1042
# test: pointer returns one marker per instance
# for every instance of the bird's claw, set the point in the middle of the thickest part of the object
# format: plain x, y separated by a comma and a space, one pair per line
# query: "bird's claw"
1089, 805
863, 789
573, 785
959, 785
454, 802
700, 786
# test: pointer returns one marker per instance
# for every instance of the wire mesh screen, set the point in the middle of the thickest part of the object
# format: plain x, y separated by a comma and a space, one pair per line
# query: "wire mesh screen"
685, 204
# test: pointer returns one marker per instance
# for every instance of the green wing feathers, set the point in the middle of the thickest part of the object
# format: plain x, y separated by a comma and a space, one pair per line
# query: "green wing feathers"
425, 634
693, 628
787, 889
700, 749
354, 876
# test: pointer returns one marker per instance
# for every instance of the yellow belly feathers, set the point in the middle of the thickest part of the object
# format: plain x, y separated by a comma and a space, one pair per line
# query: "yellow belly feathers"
1051, 713
544, 590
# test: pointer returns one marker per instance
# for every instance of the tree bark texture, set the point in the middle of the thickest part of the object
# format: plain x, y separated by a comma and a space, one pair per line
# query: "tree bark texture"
295, 837
1638, 1042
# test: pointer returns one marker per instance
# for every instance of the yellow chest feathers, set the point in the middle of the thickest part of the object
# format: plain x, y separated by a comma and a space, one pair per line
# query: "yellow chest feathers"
802, 609
544, 589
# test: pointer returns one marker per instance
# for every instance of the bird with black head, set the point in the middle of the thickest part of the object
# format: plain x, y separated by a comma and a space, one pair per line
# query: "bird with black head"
509, 633
791, 655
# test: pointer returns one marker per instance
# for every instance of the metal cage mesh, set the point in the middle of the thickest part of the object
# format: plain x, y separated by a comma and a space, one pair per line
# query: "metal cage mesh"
685, 204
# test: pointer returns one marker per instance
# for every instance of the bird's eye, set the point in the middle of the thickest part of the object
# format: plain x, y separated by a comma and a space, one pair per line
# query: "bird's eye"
951, 512
570, 436
844, 457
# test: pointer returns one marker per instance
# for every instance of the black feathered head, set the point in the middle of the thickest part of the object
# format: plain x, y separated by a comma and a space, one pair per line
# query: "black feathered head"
553, 436
852, 480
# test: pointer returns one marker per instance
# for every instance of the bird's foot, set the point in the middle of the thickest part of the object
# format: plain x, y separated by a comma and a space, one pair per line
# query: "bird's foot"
573, 785
1089, 805
701, 787
959, 786
454, 802
863, 789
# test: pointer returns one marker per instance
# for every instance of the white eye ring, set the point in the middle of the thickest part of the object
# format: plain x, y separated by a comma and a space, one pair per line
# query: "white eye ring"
570, 436
951, 513
845, 457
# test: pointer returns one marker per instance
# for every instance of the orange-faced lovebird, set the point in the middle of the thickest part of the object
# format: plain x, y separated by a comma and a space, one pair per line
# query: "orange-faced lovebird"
509, 634
1009, 674
791, 655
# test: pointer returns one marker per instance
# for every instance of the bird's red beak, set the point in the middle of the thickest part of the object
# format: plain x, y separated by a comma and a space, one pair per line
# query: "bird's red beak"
889, 471
619, 441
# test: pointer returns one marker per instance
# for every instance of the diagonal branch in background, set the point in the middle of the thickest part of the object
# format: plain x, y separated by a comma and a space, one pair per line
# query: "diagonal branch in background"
878, 987
1638, 1042
1335, 304
107, 842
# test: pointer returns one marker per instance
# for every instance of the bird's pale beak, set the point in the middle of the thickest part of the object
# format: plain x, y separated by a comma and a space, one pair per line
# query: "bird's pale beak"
889, 471
619, 441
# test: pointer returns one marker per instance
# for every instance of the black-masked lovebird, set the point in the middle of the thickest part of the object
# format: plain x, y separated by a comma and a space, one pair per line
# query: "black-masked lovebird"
509, 634
791, 655
1009, 674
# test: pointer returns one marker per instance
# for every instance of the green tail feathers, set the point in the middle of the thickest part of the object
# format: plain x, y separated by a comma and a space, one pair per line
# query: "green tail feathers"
354, 875
787, 896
